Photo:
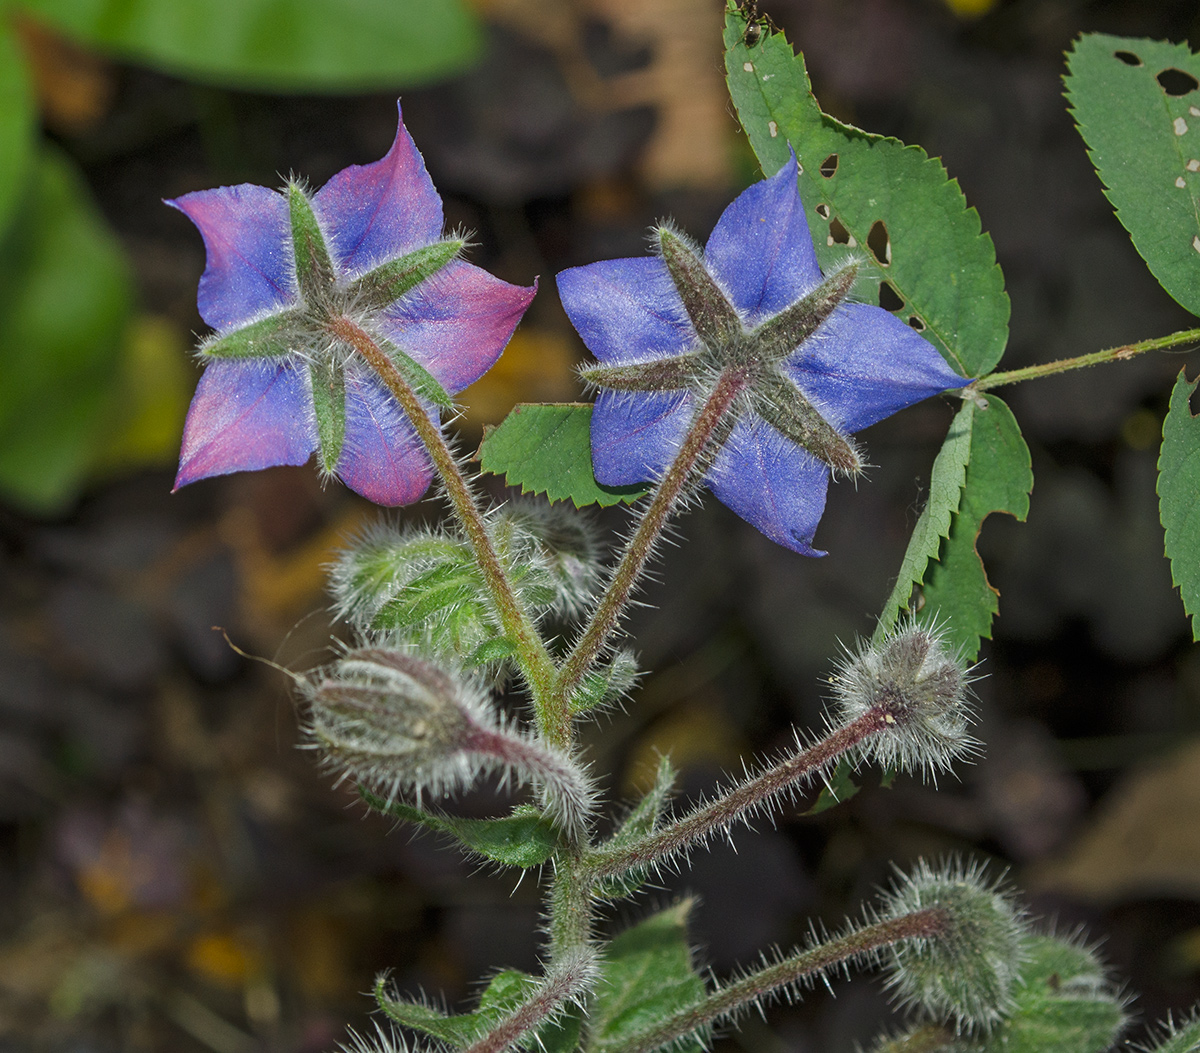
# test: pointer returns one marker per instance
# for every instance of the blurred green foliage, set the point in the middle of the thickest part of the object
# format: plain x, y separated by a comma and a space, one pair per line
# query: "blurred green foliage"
84, 383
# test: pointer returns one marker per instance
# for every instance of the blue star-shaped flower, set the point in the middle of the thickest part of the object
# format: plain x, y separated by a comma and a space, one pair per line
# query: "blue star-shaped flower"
817, 368
283, 269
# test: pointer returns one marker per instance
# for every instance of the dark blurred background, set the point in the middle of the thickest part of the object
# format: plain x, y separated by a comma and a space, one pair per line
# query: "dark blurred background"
175, 874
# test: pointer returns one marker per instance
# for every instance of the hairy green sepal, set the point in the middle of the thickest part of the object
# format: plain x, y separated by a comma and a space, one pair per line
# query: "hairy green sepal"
314, 268
271, 337
385, 285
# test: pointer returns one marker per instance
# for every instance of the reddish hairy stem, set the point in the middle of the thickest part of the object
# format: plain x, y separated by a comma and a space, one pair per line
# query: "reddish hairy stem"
554, 991
670, 489
535, 659
738, 802
926, 923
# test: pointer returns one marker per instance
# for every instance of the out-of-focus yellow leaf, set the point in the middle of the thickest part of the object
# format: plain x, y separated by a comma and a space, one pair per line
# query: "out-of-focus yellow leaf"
537, 366
75, 87
970, 8
155, 386
1143, 842
224, 957
690, 735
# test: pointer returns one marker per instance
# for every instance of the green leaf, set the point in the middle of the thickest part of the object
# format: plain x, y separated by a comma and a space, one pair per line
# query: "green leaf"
1064, 1003
1179, 495
503, 995
547, 449
278, 45
999, 479
841, 787
946, 482
637, 824
18, 122
1145, 144
523, 838
648, 978
65, 296
905, 215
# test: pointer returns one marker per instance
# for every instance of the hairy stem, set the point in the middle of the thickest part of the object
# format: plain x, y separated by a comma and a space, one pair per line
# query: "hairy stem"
742, 800
670, 489
1065, 365
796, 968
531, 649
566, 982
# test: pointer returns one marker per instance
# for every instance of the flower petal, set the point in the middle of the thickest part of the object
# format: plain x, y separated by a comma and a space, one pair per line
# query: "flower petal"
626, 310
374, 213
246, 415
777, 487
635, 437
864, 364
456, 322
382, 458
761, 250
248, 239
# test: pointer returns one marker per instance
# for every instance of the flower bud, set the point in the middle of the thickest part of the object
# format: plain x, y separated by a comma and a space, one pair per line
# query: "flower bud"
395, 722
400, 724
920, 689
968, 970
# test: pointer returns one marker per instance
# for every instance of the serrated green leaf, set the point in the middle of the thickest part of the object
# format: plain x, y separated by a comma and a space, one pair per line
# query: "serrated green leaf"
638, 823
278, 45
946, 483
1145, 144
941, 264
547, 449
1064, 1003
1179, 495
648, 977
17, 123
957, 592
524, 838
66, 295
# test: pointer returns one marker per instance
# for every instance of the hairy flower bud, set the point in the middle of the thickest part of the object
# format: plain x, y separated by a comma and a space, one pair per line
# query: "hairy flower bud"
968, 970
920, 688
400, 724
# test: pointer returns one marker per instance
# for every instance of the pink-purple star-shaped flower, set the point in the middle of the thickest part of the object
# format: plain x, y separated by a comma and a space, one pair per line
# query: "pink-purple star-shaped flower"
816, 367
282, 267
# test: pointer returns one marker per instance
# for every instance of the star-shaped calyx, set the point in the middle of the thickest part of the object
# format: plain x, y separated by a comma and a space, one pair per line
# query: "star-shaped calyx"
750, 329
757, 353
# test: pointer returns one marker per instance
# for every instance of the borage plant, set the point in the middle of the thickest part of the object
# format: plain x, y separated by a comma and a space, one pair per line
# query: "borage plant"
345, 320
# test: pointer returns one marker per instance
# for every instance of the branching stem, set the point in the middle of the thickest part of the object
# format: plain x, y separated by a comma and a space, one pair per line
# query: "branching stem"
742, 800
535, 659
1064, 365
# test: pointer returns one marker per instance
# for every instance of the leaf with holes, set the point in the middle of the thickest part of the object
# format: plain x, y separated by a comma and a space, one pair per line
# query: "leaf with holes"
999, 479
1179, 495
648, 979
945, 491
1137, 106
924, 248
548, 449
